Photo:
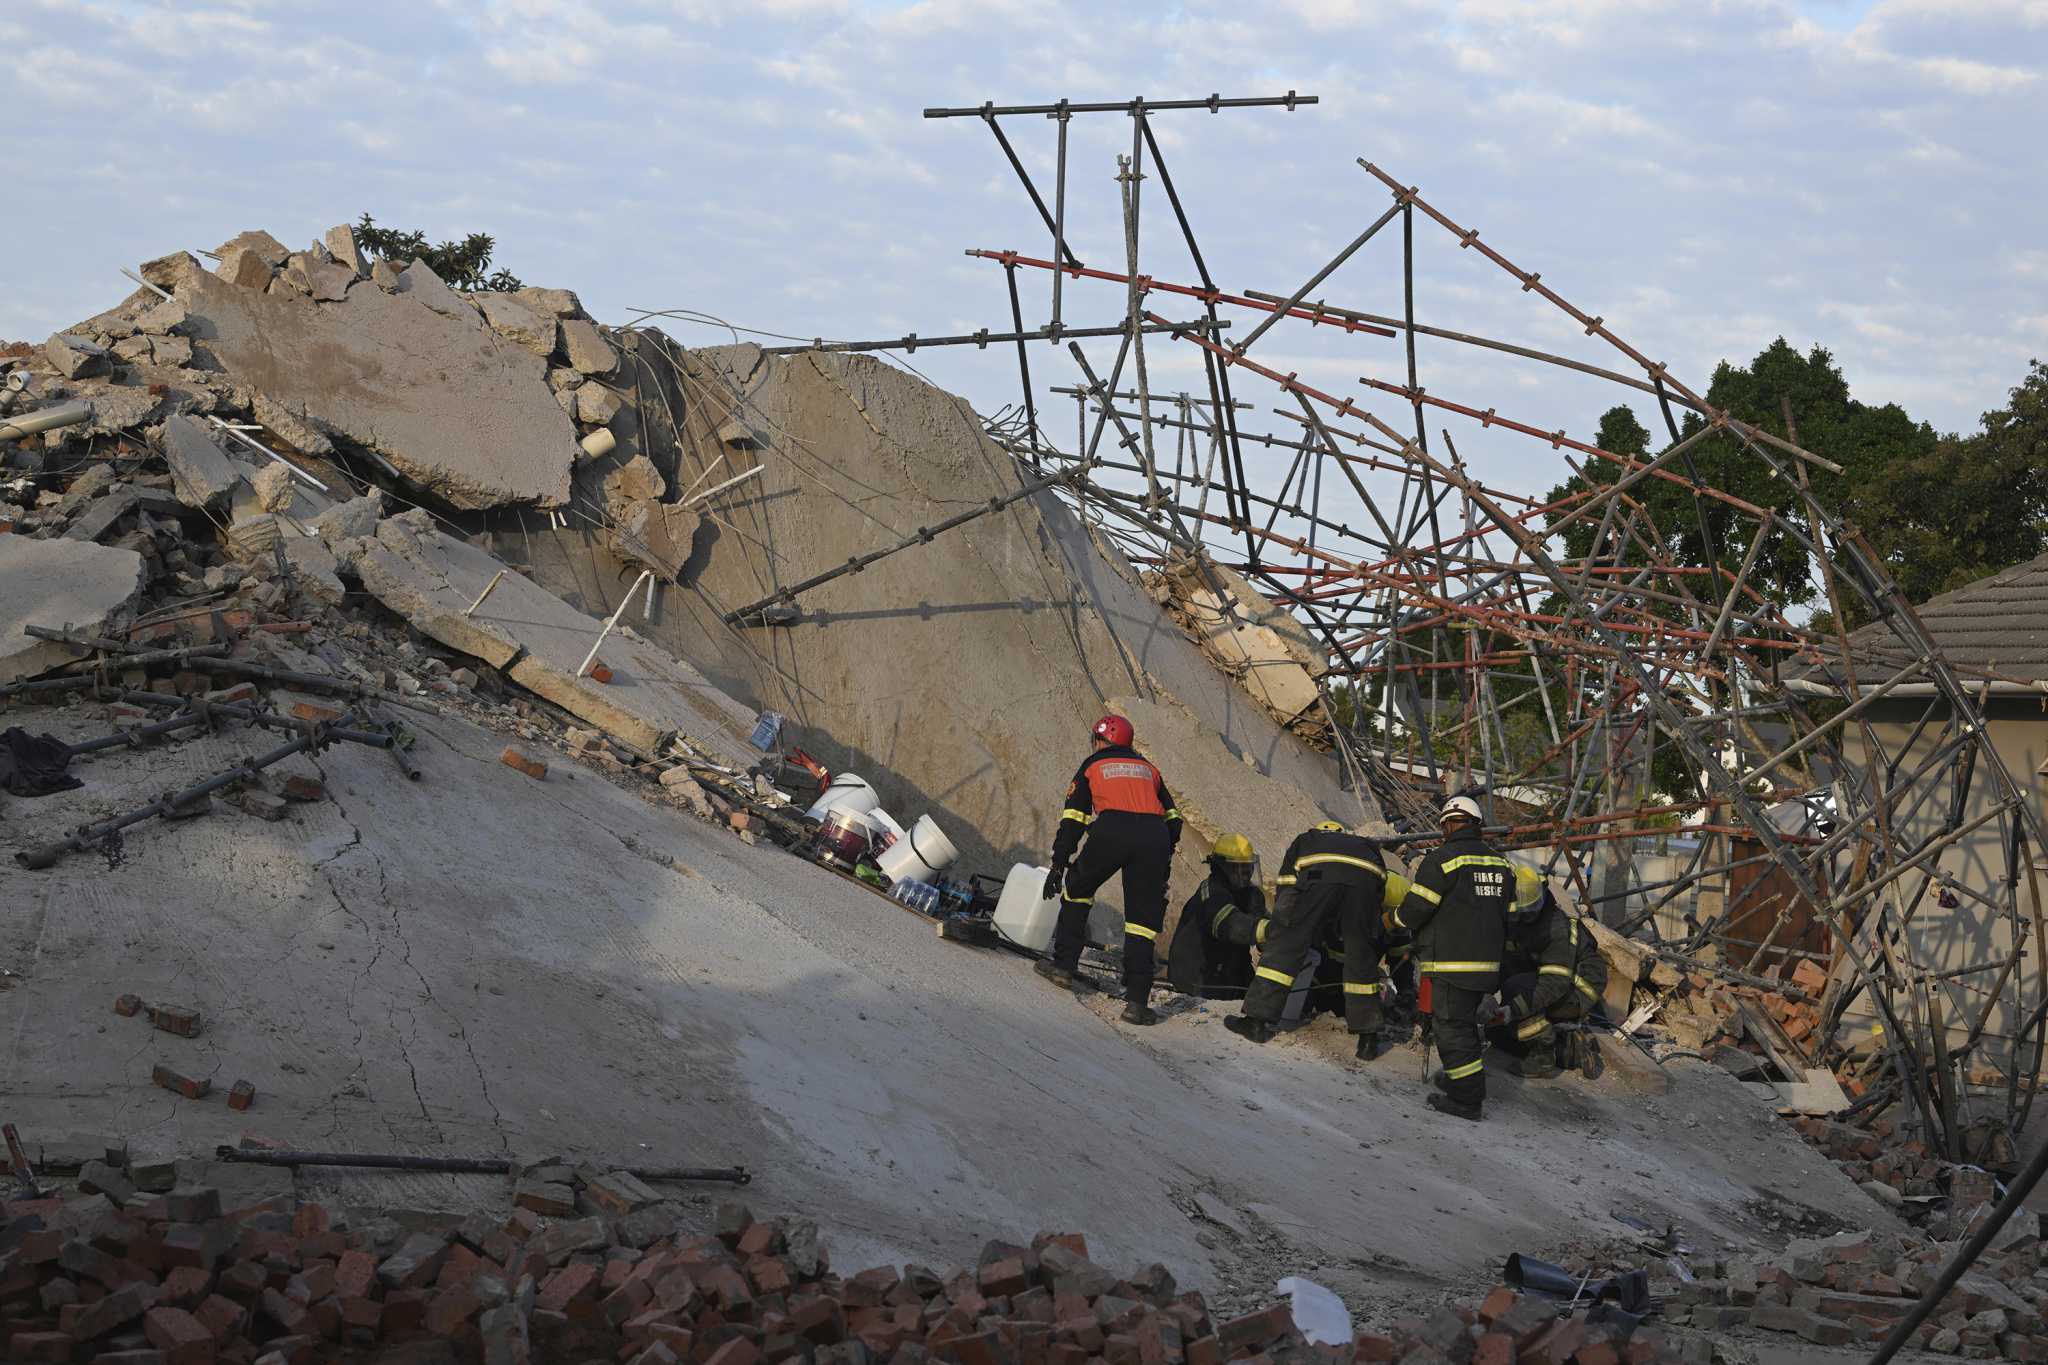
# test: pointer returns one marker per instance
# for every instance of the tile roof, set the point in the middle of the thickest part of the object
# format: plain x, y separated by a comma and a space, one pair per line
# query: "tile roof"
1997, 624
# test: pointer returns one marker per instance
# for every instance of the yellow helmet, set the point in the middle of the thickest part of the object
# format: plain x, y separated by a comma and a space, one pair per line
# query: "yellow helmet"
1234, 848
1528, 888
1330, 826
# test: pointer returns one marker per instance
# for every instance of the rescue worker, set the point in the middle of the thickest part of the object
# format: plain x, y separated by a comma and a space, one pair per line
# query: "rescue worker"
1329, 880
1120, 802
1211, 953
1554, 974
1457, 910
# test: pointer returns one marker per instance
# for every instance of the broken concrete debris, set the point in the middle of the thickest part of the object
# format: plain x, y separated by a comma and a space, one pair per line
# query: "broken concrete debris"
72, 582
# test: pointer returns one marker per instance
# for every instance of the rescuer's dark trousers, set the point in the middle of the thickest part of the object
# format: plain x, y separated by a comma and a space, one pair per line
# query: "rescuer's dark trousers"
1454, 1003
1294, 929
1140, 847
1535, 1036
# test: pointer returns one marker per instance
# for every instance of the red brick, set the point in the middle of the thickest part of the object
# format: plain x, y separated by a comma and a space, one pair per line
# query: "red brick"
182, 1338
299, 787
283, 1311
566, 1285
626, 1301
186, 1285
306, 710
1498, 1302
450, 1309
1004, 1277
1495, 1349
39, 1346
1367, 1348
128, 1006
177, 1019
354, 1274
221, 1317
360, 1314
738, 1351
758, 1240
532, 767
241, 1096
405, 1310
191, 1087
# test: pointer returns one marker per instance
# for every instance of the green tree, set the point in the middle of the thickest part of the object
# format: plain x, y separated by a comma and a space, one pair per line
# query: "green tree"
464, 264
1967, 507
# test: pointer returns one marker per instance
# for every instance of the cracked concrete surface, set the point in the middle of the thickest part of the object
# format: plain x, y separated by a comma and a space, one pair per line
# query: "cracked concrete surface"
479, 962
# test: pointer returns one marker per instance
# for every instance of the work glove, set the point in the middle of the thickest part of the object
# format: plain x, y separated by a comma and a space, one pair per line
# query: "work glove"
1054, 881
1491, 1014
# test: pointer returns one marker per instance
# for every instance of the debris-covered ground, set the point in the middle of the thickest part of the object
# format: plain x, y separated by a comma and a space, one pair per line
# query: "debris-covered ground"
507, 886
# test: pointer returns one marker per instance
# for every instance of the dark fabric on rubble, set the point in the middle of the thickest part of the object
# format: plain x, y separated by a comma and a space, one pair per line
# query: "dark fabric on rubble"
33, 765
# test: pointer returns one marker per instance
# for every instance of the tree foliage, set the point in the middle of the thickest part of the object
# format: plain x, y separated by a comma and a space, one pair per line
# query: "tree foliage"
1938, 511
464, 264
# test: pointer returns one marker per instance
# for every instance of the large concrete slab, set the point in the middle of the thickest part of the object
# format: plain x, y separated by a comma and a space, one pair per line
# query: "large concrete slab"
57, 583
540, 641
453, 406
960, 677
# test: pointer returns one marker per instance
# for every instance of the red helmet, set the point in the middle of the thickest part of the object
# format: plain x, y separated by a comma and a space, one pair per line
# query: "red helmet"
1115, 729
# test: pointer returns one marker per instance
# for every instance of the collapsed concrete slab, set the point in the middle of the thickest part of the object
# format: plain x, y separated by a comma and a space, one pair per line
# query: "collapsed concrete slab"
57, 583
539, 641
959, 677
452, 406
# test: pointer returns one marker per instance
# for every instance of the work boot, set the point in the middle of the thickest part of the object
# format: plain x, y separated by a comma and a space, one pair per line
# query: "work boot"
1441, 1082
1053, 972
1368, 1046
1253, 1030
1444, 1104
1538, 1064
1591, 1063
1141, 1015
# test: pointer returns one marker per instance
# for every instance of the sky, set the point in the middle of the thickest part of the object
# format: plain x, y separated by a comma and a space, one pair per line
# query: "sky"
1705, 176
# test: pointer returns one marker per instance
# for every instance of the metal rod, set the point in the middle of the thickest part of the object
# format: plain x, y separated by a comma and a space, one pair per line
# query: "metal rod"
461, 1165
1289, 101
982, 339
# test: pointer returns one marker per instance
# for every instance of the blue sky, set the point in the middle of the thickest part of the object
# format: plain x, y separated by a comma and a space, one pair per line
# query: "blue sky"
1705, 176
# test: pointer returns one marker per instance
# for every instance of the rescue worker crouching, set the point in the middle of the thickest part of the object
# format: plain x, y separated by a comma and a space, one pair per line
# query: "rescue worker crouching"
1211, 951
1554, 975
1120, 802
1457, 910
1328, 880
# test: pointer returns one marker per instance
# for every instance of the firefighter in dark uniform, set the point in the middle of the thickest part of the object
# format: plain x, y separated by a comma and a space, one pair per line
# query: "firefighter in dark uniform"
1119, 800
1329, 879
1457, 910
1211, 954
1554, 974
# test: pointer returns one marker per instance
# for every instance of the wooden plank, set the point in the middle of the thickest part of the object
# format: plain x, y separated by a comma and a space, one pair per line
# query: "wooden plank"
1772, 1039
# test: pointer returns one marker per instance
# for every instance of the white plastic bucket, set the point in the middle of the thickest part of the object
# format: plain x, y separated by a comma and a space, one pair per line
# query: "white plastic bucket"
887, 831
1024, 914
920, 855
846, 791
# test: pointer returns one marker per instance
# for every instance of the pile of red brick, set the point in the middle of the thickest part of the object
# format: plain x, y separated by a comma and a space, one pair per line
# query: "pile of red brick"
1855, 1287
172, 1279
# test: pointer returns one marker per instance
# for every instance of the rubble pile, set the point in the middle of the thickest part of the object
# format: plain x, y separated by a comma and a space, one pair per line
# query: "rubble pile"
1856, 1286
596, 1264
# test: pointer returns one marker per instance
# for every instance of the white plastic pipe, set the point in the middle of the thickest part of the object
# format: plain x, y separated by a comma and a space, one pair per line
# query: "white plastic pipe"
647, 577
45, 419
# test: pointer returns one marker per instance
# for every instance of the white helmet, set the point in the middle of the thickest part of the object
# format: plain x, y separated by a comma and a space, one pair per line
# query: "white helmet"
1460, 807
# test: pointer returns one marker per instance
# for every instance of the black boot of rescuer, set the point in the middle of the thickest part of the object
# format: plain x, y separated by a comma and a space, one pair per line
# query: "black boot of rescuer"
1444, 1104
1053, 972
1246, 1027
1141, 1015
